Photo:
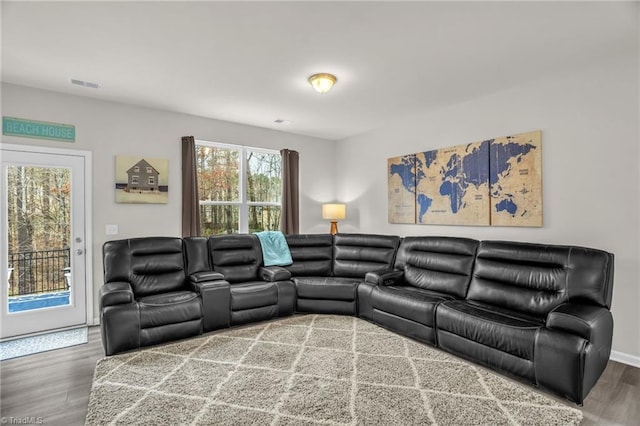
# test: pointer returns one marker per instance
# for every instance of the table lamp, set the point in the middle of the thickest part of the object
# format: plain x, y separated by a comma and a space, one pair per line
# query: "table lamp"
334, 212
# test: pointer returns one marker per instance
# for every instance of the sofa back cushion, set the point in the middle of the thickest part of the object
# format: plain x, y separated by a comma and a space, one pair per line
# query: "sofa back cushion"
356, 254
152, 265
312, 254
442, 264
535, 278
236, 256
196, 252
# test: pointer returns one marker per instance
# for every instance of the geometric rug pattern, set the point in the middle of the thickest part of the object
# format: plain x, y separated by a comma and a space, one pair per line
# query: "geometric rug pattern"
310, 370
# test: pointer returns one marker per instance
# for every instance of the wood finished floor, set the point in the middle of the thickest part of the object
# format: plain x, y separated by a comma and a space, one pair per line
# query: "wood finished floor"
55, 386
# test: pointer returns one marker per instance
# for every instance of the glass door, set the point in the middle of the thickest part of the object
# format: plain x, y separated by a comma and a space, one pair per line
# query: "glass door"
43, 266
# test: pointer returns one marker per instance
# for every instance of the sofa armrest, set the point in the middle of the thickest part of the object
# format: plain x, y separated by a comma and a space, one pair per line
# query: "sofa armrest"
572, 351
204, 286
274, 273
115, 293
590, 322
200, 277
385, 277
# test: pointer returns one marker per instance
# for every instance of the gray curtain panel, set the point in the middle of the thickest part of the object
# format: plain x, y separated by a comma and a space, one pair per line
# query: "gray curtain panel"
290, 217
190, 199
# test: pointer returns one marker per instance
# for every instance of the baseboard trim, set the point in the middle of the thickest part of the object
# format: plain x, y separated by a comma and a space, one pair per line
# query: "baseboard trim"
624, 358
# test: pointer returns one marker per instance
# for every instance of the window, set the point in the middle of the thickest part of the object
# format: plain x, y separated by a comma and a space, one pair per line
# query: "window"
239, 188
136, 169
134, 179
149, 170
151, 180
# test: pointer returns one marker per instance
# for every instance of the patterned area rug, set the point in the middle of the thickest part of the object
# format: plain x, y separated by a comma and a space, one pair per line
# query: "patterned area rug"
309, 370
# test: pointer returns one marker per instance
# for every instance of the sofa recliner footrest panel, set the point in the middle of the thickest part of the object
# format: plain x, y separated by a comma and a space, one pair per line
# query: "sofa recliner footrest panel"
254, 294
327, 288
169, 332
490, 326
261, 313
404, 326
412, 303
320, 306
493, 358
169, 308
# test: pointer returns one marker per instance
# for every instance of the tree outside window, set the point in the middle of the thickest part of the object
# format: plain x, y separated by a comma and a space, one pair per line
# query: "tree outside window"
239, 188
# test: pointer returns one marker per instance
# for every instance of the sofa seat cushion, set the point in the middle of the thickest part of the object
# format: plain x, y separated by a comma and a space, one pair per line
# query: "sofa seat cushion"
169, 308
327, 288
498, 328
253, 294
408, 302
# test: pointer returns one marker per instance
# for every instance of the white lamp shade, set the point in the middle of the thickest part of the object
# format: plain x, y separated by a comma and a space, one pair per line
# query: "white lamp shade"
334, 211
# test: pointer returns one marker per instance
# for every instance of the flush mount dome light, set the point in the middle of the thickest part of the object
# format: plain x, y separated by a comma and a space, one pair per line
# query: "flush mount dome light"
322, 82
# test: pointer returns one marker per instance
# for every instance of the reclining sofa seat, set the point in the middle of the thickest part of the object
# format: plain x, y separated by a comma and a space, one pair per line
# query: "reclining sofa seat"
327, 270
536, 312
241, 289
146, 298
427, 271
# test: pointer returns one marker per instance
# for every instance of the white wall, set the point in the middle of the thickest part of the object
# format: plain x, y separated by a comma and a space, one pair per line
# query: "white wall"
108, 129
590, 136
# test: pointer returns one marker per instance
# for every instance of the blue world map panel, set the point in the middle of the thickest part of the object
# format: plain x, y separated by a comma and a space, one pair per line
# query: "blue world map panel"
515, 178
401, 187
452, 185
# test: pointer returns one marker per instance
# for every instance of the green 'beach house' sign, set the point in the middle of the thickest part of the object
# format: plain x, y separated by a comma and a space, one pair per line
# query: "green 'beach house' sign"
12, 126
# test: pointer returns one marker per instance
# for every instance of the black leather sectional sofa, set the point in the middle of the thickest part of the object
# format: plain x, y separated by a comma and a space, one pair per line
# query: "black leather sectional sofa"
537, 312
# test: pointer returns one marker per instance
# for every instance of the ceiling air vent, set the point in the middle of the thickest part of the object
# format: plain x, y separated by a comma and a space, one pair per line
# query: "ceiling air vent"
282, 121
84, 83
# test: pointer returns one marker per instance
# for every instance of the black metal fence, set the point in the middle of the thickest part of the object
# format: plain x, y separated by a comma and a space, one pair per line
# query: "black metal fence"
42, 271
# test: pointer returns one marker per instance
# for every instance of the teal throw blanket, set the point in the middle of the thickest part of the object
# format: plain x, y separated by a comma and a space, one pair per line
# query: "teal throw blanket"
275, 250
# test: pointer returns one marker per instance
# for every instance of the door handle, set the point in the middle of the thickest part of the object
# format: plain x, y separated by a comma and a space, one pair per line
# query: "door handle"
79, 251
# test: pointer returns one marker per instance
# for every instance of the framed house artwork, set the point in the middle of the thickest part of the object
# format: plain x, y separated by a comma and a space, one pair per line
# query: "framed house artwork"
142, 180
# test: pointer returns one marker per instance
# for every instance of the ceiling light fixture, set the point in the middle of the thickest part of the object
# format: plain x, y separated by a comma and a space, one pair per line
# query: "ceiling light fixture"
322, 82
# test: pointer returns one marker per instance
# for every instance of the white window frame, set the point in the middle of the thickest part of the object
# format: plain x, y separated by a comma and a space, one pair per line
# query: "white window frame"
242, 204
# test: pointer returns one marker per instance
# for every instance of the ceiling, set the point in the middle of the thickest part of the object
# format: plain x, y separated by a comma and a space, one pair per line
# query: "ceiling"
248, 62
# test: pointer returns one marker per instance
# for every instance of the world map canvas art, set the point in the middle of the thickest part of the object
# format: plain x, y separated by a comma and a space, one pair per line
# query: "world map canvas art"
515, 164
452, 185
402, 189
493, 182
